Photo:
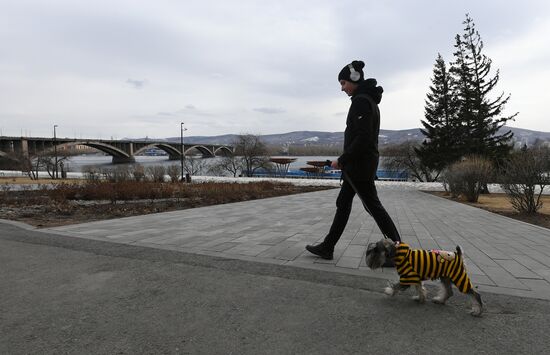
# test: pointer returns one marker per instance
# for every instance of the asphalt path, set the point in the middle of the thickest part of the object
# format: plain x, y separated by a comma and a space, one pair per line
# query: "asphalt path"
69, 295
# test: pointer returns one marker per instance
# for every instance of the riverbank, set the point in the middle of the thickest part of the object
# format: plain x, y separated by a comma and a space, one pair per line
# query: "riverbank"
496, 201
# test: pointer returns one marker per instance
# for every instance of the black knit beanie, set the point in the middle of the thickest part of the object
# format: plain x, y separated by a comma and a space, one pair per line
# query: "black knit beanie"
352, 72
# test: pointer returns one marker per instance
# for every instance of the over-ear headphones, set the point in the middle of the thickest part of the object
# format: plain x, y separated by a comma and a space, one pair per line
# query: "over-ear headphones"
354, 75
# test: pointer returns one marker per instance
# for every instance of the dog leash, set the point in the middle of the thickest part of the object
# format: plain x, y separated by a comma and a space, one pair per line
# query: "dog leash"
348, 179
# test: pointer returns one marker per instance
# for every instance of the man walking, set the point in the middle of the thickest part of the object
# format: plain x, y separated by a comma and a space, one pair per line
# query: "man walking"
359, 160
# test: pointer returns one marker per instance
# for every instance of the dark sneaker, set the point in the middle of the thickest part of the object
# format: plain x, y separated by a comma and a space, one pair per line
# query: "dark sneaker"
388, 263
320, 250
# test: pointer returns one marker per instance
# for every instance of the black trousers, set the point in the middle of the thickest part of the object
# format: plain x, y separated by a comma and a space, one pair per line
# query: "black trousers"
369, 196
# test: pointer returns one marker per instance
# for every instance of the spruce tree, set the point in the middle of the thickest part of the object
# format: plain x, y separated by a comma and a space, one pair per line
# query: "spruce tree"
440, 148
480, 116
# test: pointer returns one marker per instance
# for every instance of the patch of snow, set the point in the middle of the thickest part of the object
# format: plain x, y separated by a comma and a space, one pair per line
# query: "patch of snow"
312, 139
427, 186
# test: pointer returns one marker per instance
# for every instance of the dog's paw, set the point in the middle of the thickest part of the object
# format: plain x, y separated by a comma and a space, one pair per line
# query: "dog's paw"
476, 311
421, 294
439, 300
419, 299
390, 291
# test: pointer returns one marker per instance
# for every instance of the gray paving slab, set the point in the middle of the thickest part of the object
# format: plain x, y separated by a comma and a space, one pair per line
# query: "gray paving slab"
502, 255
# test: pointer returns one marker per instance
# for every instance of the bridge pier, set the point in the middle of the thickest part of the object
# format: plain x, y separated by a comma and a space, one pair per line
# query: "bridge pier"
123, 160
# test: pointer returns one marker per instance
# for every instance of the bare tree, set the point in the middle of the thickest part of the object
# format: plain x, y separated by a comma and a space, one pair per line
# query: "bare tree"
44, 161
230, 163
193, 166
31, 168
403, 157
18, 161
253, 152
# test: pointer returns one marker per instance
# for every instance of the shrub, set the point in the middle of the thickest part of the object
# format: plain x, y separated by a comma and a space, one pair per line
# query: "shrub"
107, 174
113, 191
61, 192
121, 173
91, 173
5, 187
137, 171
184, 194
156, 173
452, 181
467, 177
174, 172
524, 177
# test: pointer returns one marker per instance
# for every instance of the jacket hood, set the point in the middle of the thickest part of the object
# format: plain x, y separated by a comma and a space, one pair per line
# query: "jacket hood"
370, 88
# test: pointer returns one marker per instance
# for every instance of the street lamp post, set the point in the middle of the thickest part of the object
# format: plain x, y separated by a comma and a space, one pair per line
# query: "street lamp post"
55, 151
182, 155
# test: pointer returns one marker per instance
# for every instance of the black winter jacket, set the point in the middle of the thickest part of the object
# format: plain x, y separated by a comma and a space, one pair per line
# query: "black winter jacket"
360, 157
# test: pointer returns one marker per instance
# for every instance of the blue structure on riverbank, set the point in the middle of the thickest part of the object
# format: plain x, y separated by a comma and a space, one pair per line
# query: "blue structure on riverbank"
382, 174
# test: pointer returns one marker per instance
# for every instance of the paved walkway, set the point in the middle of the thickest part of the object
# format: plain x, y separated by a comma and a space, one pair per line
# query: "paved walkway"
503, 255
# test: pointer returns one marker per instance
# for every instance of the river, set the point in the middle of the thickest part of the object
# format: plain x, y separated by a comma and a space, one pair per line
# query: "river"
79, 163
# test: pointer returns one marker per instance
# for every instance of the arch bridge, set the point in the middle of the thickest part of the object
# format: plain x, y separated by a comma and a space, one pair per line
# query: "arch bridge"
122, 151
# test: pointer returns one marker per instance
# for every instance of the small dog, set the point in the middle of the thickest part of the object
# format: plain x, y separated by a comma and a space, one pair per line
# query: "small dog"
415, 265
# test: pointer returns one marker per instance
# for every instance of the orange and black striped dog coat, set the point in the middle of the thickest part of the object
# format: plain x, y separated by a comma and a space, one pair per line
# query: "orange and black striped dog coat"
415, 265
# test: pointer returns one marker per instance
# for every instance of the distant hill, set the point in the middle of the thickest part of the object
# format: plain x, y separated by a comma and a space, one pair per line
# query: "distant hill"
386, 137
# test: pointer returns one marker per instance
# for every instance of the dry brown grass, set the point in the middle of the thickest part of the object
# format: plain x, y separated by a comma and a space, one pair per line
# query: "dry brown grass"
89, 201
502, 203
499, 203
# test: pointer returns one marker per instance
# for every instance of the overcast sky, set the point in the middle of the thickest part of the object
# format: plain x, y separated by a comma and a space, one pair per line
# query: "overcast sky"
135, 68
